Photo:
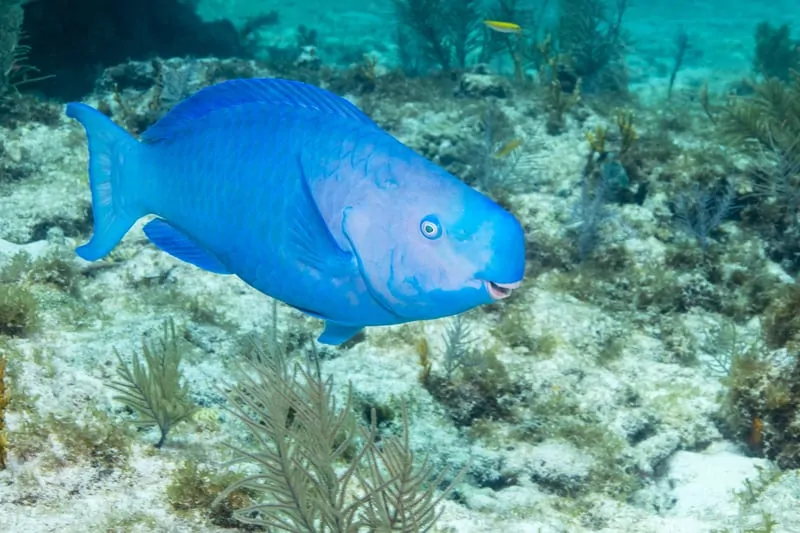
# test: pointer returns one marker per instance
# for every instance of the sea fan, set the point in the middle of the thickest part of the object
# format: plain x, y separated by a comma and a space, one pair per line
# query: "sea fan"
155, 390
318, 471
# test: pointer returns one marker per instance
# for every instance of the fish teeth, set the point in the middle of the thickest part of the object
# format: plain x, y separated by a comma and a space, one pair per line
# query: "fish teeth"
509, 286
498, 291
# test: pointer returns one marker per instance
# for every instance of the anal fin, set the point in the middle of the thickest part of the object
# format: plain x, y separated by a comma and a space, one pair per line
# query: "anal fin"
179, 245
336, 333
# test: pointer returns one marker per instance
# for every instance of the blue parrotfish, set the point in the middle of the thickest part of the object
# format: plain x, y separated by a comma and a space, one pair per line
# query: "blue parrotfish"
301, 195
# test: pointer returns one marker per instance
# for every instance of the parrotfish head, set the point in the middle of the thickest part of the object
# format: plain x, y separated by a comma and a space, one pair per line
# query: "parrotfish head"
429, 246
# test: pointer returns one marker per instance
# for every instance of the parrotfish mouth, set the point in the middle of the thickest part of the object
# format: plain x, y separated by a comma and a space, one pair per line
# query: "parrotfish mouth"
498, 291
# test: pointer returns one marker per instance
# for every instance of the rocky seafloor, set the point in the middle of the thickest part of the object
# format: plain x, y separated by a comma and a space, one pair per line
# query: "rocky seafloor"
604, 401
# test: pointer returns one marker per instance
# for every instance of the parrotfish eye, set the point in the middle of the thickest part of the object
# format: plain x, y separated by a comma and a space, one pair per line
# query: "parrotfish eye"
430, 227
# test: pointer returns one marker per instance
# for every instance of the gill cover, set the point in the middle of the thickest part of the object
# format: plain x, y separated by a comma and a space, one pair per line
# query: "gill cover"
370, 243
409, 264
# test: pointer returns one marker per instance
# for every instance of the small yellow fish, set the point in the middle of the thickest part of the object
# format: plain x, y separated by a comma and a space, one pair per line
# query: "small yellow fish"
503, 27
506, 149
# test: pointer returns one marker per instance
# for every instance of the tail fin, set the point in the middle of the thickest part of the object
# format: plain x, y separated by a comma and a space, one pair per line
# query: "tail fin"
113, 165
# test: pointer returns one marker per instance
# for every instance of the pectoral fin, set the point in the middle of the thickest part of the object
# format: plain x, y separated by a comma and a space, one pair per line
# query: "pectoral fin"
179, 245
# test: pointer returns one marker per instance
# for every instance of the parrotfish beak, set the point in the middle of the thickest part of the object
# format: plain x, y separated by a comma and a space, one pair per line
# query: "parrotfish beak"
498, 291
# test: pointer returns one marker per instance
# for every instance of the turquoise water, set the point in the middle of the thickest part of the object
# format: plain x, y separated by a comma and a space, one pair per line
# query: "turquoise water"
642, 375
721, 34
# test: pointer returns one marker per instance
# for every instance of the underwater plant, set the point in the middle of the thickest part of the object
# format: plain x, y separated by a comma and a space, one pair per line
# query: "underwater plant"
592, 44
776, 53
445, 31
763, 383
496, 157
11, 52
154, 389
764, 124
681, 45
763, 407
700, 211
195, 485
776, 184
781, 323
770, 116
459, 352
604, 181
302, 436
4, 400
522, 46
89, 437
18, 310
474, 385
590, 213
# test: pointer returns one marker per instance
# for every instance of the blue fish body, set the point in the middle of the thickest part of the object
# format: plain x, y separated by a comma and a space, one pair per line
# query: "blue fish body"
302, 196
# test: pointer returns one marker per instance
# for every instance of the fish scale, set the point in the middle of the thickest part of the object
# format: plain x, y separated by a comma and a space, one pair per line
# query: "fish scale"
233, 153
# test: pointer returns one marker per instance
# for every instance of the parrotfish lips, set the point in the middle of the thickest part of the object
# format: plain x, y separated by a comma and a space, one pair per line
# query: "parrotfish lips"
498, 291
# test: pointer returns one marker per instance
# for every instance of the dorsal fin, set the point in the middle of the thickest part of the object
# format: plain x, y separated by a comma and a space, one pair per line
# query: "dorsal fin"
272, 92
